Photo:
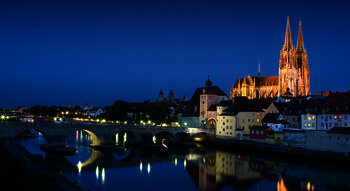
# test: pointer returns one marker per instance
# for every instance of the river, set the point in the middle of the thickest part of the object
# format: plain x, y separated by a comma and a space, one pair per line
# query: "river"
183, 169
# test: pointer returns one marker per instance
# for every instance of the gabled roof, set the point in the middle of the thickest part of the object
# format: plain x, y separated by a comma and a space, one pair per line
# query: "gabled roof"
213, 90
270, 118
243, 104
281, 106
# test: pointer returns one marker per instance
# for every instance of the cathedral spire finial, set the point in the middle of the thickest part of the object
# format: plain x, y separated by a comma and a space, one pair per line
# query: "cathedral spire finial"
288, 45
300, 43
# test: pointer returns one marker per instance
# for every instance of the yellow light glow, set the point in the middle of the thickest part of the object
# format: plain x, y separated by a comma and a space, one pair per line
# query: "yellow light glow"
7, 117
154, 139
175, 161
148, 168
97, 120
185, 123
103, 175
164, 144
103, 121
62, 112
79, 167
140, 166
97, 172
116, 139
67, 112
308, 186
185, 163
149, 122
3, 117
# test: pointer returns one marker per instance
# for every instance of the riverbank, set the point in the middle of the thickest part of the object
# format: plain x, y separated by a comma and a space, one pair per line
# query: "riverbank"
21, 170
281, 151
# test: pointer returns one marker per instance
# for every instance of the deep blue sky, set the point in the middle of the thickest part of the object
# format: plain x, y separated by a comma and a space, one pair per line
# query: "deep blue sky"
70, 52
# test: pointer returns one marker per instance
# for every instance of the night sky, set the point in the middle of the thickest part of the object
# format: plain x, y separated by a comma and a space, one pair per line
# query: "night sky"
70, 52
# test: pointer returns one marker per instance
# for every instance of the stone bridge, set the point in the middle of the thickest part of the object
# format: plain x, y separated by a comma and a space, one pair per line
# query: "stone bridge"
105, 134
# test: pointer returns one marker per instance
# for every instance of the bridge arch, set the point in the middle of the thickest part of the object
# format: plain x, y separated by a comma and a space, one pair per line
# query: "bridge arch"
125, 137
95, 139
162, 136
27, 132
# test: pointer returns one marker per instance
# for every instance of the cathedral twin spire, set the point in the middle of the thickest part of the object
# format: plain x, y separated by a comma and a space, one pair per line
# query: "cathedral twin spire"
288, 44
294, 67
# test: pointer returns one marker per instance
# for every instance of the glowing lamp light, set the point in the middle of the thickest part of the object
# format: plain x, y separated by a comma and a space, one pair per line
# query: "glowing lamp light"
3, 117
79, 167
97, 172
103, 175
148, 168
67, 112
154, 139
103, 121
164, 145
7, 117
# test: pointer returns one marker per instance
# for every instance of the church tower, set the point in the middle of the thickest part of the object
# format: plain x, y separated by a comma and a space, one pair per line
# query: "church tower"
288, 69
303, 65
293, 67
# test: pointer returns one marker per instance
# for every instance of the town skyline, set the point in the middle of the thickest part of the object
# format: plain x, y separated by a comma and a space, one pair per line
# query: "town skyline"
74, 71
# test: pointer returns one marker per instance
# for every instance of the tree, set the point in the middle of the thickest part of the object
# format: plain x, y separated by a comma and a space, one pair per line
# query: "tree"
118, 111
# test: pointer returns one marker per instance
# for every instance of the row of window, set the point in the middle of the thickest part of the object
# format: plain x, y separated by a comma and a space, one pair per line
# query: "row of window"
335, 117
257, 132
212, 113
227, 133
309, 124
335, 124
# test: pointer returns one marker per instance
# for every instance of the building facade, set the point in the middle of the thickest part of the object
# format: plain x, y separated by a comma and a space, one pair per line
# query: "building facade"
293, 79
294, 66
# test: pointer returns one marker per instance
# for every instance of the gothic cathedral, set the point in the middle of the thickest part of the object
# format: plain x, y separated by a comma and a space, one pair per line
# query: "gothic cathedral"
293, 79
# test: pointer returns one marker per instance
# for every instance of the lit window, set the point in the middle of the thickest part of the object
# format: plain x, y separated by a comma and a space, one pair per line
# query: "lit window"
308, 117
257, 120
340, 116
313, 117
309, 124
253, 131
335, 117
304, 124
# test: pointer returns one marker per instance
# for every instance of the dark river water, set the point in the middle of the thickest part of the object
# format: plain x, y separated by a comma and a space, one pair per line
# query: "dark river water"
182, 169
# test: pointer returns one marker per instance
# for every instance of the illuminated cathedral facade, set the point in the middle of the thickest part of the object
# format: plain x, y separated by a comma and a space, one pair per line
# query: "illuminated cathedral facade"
293, 79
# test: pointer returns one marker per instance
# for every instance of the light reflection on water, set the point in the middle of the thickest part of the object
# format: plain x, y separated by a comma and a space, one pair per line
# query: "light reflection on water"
142, 169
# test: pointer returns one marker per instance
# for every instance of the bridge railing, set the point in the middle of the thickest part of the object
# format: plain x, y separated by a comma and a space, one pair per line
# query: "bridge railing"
83, 125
